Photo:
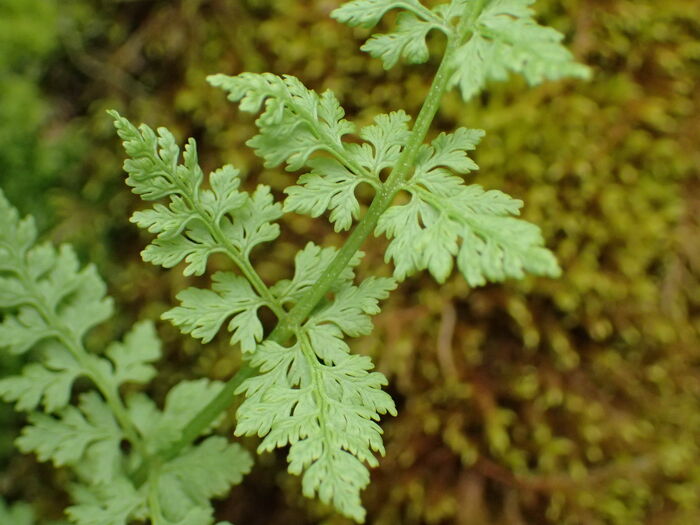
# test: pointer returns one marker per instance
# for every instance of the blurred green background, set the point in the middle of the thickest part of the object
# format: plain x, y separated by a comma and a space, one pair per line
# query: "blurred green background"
570, 401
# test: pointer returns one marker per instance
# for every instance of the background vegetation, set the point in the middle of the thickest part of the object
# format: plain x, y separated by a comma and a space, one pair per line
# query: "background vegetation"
575, 401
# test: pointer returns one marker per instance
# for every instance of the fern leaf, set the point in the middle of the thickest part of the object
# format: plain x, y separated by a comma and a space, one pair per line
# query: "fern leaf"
385, 140
21, 514
352, 306
406, 41
202, 312
50, 281
331, 185
186, 484
17, 514
22, 331
449, 150
295, 122
197, 222
48, 383
177, 491
506, 38
183, 402
321, 400
56, 305
110, 503
132, 358
255, 221
446, 219
86, 434
16, 237
326, 412
368, 13
309, 263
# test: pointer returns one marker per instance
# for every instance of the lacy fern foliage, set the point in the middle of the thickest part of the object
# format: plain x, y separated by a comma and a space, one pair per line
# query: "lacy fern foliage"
322, 400
321, 384
304, 389
507, 39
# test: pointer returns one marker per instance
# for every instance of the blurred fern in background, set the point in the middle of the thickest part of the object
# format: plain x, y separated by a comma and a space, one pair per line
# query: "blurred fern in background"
35, 152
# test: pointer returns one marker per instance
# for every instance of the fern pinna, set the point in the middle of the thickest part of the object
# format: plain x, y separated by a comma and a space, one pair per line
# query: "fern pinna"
303, 387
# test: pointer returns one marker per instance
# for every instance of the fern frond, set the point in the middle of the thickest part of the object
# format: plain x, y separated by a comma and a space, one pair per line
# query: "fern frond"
446, 219
331, 185
295, 122
506, 38
321, 400
21, 514
197, 222
55, 305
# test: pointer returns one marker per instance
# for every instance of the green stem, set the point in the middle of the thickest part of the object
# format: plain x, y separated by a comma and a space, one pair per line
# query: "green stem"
209, 413
197, 424
400, 174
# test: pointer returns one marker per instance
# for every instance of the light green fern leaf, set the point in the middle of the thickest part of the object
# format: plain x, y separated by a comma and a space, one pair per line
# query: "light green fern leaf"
185, 485
325, 411
197, 222
331, 184
321, 400
21, 514
448, 151
384, 141
17, 514
22, 331
177, 491
352, 306
202, 312
16, 237
48, 383
132, 358
51, 284
254, 222
452, 9
408, 40
52, 305
368, 13
112, 503
49, 303
506, 39
309, 264
446, 219
183, 402
295, 121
